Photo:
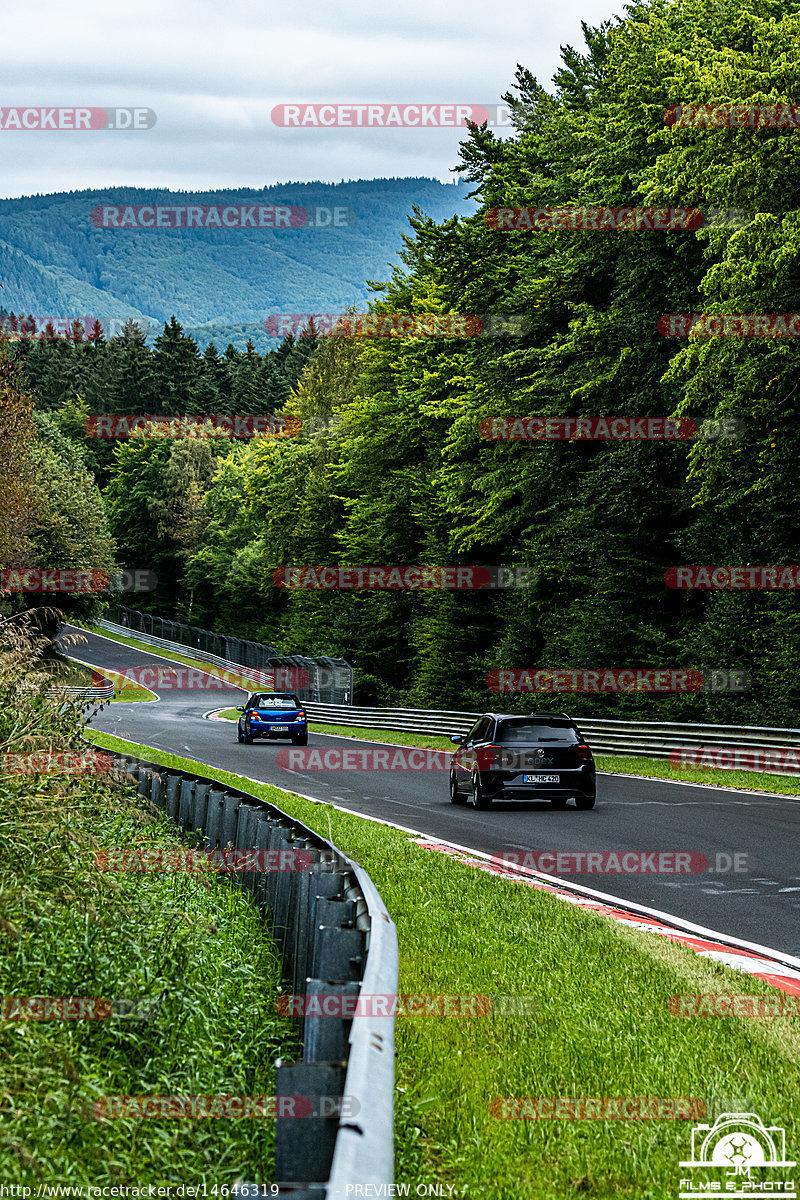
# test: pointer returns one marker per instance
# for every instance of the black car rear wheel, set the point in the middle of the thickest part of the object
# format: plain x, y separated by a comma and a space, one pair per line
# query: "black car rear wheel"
239, 735
479, 801
456, 797
248, 739
558, 802
584, 802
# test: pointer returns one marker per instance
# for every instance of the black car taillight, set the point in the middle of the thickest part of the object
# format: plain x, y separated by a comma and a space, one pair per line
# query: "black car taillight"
584, 753
489, 756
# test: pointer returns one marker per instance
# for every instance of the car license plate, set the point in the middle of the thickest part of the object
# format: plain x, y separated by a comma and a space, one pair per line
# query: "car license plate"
279, 728
541, 779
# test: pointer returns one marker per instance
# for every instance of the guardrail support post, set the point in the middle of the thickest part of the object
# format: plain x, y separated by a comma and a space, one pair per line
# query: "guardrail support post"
304, 1145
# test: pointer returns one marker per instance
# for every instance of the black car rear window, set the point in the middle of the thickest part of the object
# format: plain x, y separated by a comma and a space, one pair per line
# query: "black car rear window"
535, 731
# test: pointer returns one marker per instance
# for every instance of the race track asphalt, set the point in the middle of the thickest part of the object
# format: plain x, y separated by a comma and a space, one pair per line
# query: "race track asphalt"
759, 904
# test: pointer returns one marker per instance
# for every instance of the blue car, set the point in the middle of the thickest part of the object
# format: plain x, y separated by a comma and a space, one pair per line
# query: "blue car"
273, 715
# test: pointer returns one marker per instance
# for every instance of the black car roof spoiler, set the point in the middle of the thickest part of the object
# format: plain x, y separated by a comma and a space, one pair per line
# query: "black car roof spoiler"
536, 716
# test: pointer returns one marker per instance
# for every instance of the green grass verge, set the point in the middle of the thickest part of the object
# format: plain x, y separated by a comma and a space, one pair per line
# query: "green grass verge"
196, 944
603, 1028
659, 768
125, 690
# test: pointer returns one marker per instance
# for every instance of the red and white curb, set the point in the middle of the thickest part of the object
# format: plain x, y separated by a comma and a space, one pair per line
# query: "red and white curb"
779, 970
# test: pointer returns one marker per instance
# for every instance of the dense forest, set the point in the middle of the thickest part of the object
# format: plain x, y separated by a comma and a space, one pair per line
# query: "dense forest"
391, 467
223, 283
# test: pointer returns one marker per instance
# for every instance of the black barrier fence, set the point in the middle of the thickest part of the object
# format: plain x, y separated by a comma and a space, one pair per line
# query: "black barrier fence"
319, 679
335, 937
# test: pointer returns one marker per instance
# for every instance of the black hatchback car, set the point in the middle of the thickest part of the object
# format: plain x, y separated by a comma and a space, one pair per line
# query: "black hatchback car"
506, 756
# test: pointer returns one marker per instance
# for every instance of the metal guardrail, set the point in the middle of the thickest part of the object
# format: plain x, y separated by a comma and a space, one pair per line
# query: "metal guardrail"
100, 692
249, 674
253, 677
335, 936
101, 689
650, 739
412, 720
330, 680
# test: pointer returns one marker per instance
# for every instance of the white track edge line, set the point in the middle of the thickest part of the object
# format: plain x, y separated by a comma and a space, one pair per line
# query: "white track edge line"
688, 783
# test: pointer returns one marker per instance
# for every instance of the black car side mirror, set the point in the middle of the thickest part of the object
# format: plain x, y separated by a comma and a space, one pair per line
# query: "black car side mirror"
457, 739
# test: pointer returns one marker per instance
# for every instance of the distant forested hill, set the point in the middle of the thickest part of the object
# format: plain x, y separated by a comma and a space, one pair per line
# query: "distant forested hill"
221, 284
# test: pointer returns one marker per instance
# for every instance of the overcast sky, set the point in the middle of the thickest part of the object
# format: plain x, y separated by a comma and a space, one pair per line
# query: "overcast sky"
213, 72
